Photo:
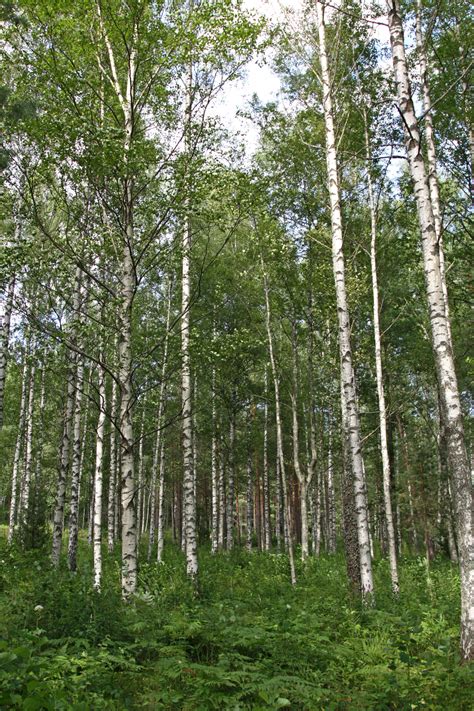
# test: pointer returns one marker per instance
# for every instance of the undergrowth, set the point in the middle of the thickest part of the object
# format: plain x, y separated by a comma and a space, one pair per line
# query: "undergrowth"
245, 640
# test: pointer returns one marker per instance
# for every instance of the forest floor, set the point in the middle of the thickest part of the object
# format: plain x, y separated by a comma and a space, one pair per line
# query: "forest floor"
247, 640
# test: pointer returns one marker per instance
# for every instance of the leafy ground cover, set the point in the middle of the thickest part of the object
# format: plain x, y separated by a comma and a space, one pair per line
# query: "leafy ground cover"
247, 640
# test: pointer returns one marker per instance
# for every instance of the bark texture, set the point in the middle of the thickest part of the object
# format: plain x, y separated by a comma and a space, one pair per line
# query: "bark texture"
348, 389
440, 332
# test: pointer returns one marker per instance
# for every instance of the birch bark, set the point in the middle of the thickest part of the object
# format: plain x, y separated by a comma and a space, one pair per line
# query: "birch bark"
127, 101
75, 468
249, 502
221, 495
98, 479
303, 484
58, 516
4, 340
17, 455
267, 538
279, 430
26, 482
440, 332
161, 501
348, 390
229, 542
157, 452
331, 502
214, 471
111, 500
189, 503
386, 474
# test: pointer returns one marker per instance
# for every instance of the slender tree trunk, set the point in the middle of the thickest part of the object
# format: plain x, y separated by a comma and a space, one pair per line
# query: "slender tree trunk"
111, 499
249, 501
186, 398
279, 431
296, 457
17, 455
221, 494
127, 293
349, 397
75, 468
230, 501
214, 471
98, 481
84, 444
331, 501
351, 543
452, 545
4, 340
37, 498
189, 503
441, 336
433, 184
278, 504
317, 515
26, 482
141, 483
58, 516
157, 451
386, 474
161, 500
267, 537
128, 491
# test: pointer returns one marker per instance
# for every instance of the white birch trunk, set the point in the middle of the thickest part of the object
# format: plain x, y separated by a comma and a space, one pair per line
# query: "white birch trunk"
111, 499
249, 512
127, 293
161, 501
221, 493
58, 516
278, 506
26, 482
4, 340
189, 503
75, 469
17, 454
386, 474
128, 492
98, 481
349, 399
229, 542
441, 337
141, 483
316, 505
279, 431
331, 501
214, 471
40, 446
433, 183
157, 451
84, 442
267, 536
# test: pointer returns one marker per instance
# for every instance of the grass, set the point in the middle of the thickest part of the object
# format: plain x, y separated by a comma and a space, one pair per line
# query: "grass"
246, 640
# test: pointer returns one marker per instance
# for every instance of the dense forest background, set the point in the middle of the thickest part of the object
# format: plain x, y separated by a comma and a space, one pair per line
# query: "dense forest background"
235, 385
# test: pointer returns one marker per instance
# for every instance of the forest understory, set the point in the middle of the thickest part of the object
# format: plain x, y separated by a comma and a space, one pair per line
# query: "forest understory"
247, 639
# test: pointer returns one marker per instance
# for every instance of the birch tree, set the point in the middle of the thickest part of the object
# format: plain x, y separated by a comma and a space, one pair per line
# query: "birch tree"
4, 339
348, 388
440, 331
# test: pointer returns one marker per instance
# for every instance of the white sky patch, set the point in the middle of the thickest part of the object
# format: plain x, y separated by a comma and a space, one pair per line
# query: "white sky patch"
259, 78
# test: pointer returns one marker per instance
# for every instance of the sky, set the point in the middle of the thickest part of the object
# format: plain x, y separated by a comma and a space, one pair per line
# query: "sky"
259, 78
